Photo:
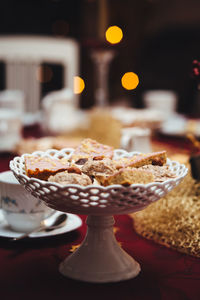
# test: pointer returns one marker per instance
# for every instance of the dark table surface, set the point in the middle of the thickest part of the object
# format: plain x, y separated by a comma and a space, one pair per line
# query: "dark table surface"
29, 268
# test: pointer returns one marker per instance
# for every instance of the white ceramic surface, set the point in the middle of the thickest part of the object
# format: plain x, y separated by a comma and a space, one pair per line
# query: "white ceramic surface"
99, 258
22, 211
13, 100
29, 118
73, 222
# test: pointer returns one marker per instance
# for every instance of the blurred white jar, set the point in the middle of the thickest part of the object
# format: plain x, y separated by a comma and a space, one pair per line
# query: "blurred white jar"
11, 115
162, 100
10, 129
13, 100
60, 112
136, 139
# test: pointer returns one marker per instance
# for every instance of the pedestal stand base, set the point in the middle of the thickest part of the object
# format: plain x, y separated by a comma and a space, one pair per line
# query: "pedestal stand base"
100, 258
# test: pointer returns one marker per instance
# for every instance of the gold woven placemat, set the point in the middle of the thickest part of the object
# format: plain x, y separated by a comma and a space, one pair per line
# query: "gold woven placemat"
174, 220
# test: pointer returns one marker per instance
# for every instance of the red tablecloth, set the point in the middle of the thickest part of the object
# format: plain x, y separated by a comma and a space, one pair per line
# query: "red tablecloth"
29, 268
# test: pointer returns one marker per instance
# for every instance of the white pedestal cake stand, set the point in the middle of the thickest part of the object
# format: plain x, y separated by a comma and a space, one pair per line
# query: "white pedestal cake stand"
99, 258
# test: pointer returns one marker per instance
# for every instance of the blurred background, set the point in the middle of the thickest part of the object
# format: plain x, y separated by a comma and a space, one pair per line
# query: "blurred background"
119, 72
160, 41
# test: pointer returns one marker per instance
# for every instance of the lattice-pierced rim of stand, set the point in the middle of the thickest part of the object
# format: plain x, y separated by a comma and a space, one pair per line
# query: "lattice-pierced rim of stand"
95, 198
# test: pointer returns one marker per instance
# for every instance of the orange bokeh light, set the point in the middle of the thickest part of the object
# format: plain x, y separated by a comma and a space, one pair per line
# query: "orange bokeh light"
114, 34
130, 81
79, 85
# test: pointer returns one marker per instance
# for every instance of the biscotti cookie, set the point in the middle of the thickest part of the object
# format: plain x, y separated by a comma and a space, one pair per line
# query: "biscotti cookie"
126, 177
91, 148
43, 167
93, 167
136, 161
64, 178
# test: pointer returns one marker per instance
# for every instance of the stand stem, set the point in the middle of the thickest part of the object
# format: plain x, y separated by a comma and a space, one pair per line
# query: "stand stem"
100, 258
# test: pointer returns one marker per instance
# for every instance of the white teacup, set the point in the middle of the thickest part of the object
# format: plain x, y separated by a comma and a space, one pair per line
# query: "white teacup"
22, 211
136, 139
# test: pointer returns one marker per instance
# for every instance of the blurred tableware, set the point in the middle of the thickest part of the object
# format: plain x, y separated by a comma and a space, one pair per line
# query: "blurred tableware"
175, 126
58, 222
13, 100
11, 113
22, 211
32, 118
60, 112
102, 59
162, 100
73, 222
133, 117
10, 129
179, 125
136, 139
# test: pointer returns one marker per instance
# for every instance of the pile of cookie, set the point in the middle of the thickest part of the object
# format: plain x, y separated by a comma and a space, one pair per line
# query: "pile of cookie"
94, 163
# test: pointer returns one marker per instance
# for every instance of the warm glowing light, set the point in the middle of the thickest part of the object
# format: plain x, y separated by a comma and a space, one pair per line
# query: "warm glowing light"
114, 34
44, 74
79, 85
130, 81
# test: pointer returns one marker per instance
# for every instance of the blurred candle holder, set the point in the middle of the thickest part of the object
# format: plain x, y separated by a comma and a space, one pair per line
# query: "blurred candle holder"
102, 59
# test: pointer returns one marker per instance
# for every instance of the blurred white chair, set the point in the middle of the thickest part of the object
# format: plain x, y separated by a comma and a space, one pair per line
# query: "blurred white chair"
23, 55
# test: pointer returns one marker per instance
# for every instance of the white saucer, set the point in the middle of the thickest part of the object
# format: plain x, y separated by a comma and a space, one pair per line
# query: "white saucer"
174, 125
73, 222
